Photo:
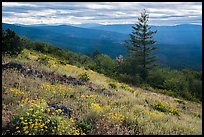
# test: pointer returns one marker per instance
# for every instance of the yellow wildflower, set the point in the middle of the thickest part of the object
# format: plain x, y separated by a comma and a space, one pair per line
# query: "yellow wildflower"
48, 109
72, 120
96, 107
26, 132
32, 125
25, 128
30, 109
59, 110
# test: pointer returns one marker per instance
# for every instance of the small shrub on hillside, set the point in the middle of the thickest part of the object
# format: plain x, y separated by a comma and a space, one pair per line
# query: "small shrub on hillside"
63, 62
84, 126
112, 85
126, 87
147, 87
174, 111
180, 101
84, 77
130, 79
161, 107
24, 56
43, 59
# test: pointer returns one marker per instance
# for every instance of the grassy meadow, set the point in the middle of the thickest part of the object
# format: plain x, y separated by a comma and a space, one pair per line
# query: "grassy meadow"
99, 106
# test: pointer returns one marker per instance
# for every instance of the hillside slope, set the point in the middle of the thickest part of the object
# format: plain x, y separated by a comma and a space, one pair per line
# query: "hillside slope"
42, 96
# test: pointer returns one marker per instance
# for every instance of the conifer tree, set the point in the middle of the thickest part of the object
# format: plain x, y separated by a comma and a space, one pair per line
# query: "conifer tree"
140, 46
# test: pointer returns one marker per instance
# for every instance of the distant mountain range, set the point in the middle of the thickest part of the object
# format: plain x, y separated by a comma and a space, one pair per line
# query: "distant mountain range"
87, 25
180, 46
73, 38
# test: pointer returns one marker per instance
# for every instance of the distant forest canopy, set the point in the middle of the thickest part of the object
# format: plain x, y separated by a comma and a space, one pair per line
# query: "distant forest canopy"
179, 46
185, 83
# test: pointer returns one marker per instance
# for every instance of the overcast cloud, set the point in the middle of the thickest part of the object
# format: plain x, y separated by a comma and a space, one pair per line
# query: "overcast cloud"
161, 13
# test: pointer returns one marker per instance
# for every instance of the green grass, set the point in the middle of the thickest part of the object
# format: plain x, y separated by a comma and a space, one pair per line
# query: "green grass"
123, 112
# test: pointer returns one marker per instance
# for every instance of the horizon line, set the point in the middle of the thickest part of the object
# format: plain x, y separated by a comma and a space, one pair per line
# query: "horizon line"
57, 24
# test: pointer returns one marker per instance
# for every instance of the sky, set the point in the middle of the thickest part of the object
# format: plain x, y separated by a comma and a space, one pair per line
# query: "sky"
160, 13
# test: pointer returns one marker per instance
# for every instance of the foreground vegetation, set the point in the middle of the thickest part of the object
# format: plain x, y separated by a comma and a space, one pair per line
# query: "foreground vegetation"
98, 104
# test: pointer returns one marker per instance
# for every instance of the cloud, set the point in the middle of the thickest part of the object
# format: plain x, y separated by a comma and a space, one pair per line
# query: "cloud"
16, 4
165, 13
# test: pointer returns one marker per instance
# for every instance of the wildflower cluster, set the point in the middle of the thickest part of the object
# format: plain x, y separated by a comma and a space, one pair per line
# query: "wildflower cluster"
126, 87
107, 107
16, 91
68, 67
154, 115
32, 55
39, 120
34, 103
96, 107
52, 62
43, 59
55, 88
115, 117
88, 96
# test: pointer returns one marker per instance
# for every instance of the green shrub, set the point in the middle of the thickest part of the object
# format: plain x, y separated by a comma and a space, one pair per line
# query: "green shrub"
156, 78
84, 77
63, 62
180, 101
43, 59
104, 64
84, 126
161, 107
24, 56
174, 111
126, 87
185, 84
112, 85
